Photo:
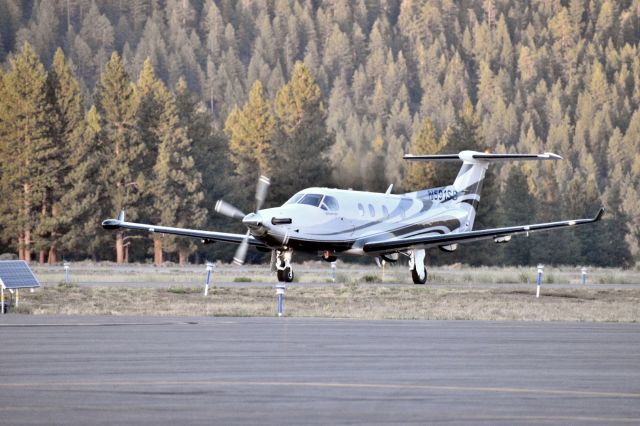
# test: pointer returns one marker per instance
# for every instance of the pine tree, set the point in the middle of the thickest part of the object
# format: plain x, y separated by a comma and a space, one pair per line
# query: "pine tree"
464, 134
86, 201
419, 175
4, 179
28, 160
303, 142
251, 131
148, 92
577, 77
65, 126
176, 187
210, 152
518, 207
122, 170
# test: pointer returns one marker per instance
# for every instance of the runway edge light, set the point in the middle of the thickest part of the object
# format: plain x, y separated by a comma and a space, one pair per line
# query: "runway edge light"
207, 283
280, 288
539, 281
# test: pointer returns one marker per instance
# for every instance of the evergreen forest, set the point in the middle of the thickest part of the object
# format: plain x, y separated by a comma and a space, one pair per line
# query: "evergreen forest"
161, 107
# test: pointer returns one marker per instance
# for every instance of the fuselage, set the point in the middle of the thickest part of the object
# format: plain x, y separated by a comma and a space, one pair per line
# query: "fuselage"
341, 221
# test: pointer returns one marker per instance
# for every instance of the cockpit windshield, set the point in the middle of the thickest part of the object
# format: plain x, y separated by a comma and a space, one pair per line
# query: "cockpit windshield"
329, 203
311, 200
325, 202
294, 199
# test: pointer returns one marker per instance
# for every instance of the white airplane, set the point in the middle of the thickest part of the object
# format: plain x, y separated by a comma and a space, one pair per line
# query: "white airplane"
335, 222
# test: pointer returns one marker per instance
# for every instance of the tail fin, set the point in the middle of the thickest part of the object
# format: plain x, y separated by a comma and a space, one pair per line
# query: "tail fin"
468, 184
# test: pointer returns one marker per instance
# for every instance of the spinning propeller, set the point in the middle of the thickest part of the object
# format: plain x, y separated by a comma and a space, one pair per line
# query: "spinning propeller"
250, 220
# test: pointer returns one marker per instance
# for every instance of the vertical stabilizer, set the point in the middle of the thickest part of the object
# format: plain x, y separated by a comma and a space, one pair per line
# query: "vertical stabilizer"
466, 189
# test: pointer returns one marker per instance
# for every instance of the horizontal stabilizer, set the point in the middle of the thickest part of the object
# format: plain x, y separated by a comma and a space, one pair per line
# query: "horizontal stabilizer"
476, 157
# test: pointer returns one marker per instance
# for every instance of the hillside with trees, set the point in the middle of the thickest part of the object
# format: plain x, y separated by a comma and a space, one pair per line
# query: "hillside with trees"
163, 106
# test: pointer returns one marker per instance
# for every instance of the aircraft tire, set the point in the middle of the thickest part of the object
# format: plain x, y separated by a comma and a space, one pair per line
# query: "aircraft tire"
416, 277
280, 274
287, 274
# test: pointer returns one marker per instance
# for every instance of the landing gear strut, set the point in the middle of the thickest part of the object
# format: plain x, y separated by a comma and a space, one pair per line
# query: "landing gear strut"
284, 271
417, 266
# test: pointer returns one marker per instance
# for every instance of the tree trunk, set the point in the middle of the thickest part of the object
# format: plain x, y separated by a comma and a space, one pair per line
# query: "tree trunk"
119, 247
27, 244
43, 217
183, 256
157, 251
20, 245
53, 258
27, 226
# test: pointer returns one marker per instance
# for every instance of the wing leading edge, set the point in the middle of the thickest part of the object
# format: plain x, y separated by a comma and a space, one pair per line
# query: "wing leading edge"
208, 236
464, 237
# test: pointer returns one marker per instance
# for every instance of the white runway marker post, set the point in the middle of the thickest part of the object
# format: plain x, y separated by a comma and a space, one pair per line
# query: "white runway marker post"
66, 265
333, 271
280, 292
540, 268
584, 276
207, 282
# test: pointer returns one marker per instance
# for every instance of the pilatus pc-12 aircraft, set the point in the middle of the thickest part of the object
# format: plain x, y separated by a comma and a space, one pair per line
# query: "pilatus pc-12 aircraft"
335, 222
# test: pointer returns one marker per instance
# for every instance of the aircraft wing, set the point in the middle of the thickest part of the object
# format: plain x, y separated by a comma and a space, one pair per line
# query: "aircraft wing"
207, 236
396, 244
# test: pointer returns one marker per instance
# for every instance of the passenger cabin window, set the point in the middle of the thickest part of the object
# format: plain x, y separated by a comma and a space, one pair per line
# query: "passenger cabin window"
361, 209
372, 211
385, 211
329, 203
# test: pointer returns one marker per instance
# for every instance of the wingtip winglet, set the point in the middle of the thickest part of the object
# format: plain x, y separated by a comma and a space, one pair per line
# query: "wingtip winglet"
553, 156
599, 215
110, 224
114, 223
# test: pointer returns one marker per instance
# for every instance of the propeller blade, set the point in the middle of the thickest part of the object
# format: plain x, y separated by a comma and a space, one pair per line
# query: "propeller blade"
228, 210
261, 191
241, 252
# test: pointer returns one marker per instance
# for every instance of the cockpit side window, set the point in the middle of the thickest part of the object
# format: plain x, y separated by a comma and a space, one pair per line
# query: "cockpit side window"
311, 200
294, 199
330, 203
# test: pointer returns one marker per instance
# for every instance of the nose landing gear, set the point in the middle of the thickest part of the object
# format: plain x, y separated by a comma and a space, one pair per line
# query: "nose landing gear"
284, 271
285, 275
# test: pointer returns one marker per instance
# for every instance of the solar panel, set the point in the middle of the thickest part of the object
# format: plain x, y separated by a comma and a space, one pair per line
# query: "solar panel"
17, 274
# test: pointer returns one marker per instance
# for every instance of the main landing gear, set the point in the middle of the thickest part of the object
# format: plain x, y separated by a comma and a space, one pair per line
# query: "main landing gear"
284, 271
417, 266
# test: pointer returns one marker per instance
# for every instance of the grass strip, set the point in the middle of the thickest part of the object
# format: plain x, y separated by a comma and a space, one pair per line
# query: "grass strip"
348, 301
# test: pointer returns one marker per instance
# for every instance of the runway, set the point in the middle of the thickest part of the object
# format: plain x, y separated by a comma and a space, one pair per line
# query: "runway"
123, 370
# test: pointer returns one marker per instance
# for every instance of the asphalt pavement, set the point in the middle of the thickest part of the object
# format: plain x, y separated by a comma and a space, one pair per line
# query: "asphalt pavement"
166, 370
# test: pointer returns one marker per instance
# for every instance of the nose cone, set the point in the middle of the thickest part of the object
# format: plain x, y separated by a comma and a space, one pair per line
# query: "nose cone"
252, 220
